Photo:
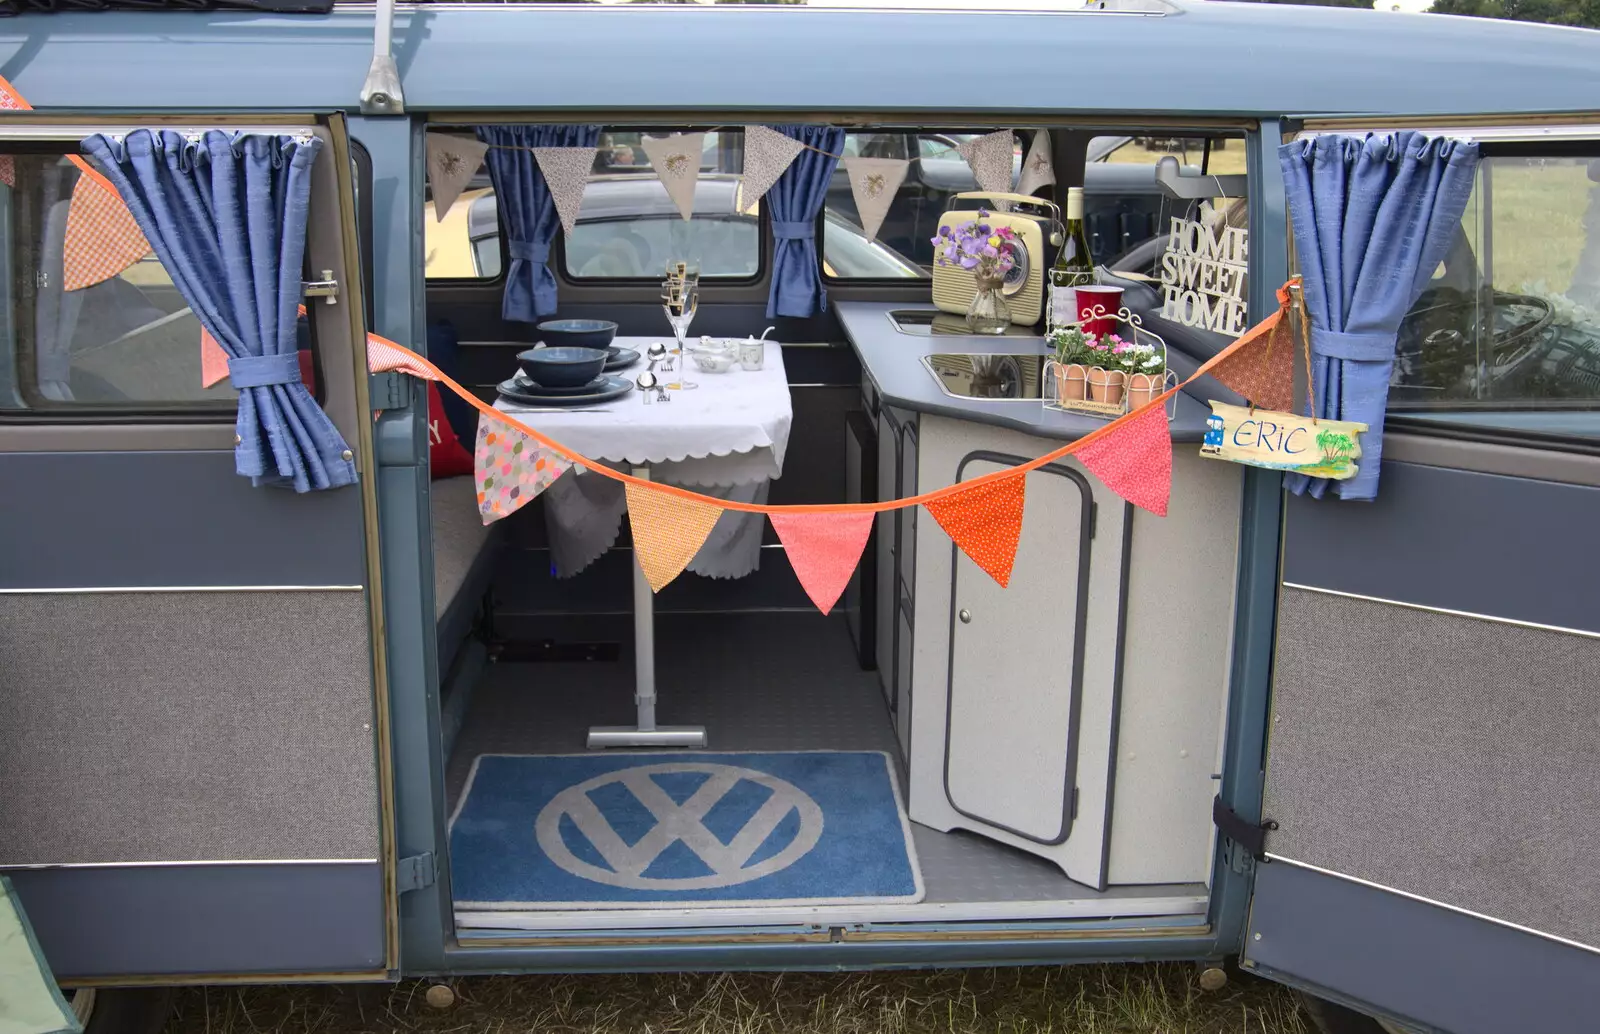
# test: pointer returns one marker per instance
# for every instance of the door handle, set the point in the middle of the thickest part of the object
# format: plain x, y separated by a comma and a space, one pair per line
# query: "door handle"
965, 615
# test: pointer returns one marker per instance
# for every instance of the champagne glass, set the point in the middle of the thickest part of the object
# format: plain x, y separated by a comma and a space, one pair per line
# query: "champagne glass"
679, 299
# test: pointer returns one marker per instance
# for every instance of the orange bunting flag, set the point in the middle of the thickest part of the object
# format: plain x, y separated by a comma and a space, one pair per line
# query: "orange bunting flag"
1262, 370
986, 522
823, 549
1135, 459
668, 530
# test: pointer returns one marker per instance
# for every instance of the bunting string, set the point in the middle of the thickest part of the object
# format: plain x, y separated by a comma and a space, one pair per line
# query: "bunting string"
404, 360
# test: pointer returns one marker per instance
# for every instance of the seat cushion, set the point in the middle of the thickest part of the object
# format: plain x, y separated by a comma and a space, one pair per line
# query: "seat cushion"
463, 561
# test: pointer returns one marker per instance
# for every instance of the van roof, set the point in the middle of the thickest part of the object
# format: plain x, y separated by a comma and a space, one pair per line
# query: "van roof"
1203, 59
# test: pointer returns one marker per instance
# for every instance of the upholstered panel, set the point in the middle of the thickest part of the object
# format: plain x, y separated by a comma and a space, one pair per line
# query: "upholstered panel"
1449, 757
186, 726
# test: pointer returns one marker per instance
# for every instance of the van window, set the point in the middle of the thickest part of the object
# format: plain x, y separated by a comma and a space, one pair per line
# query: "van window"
129, 343
903, 248
628, 227
1507, 334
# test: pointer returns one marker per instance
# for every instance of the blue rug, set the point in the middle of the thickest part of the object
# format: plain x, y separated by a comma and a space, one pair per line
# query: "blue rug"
670, 829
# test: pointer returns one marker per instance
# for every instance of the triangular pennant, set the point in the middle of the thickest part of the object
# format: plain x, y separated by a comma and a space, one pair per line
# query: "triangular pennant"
767, 156
874, 182
1262, 370
986, 522
102, 237
668, 530
566, 174
823, 549
1134, 459
676, 159
452, 162
510, 468
1038, 168
990, 159
213, 361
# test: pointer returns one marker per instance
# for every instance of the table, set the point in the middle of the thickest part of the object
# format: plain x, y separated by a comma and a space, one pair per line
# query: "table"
725, 438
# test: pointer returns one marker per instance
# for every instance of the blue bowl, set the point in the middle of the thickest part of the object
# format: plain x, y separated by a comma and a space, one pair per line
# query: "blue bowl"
578, 333
563, 366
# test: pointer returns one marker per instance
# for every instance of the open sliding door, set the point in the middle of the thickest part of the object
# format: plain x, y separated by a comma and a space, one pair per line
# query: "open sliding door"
193, 769
1432, 775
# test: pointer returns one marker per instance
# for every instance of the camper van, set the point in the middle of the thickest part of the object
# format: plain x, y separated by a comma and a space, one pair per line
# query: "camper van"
462, 704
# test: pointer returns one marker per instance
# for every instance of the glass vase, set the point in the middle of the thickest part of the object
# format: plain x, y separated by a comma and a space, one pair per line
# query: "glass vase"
988, 312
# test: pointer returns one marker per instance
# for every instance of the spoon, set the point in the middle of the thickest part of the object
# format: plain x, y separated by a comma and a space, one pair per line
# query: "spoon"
646, 381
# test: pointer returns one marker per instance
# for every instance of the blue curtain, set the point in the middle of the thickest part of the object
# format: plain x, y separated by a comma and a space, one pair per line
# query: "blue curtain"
1373, 218
794, 201
226, 214
528, 212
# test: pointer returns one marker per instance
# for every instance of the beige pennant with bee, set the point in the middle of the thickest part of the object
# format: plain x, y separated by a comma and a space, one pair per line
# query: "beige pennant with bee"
676, 159
874, 183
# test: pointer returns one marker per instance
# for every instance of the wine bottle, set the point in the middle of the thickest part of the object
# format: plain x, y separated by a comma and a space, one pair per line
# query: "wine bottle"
1074, 266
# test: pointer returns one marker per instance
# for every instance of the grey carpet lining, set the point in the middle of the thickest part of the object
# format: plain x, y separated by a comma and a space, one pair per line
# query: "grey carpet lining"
1452, 758
140, 727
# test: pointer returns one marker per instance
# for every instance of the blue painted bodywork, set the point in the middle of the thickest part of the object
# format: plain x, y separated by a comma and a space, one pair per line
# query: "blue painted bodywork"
1208, 60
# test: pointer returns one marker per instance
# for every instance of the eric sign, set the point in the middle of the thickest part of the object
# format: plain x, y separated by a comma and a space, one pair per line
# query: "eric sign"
1283, 441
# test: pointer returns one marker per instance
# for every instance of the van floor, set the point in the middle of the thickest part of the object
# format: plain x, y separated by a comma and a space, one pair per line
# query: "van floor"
768, 682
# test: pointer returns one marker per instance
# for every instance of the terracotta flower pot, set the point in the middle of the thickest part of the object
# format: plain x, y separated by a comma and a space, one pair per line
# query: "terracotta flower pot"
1143, 388
1106, 385
1071, 381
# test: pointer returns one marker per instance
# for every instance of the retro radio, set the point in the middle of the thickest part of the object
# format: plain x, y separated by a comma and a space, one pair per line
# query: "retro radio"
953, 287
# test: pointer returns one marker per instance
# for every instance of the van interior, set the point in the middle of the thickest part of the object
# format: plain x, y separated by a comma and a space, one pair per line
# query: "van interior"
528, 659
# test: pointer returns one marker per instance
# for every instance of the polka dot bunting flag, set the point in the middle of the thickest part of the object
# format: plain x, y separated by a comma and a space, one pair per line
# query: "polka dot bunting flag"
986, 522
668, 530
1135, 460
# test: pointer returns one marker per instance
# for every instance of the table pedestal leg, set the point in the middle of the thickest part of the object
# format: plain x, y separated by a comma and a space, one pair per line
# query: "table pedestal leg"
645, 732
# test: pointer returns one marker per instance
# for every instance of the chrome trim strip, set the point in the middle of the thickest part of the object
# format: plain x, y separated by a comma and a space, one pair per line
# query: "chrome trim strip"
1431, 901
1444, 610
87, 590
23, 866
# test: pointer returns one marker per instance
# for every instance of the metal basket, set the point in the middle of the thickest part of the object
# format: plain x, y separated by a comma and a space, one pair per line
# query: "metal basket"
1059, 389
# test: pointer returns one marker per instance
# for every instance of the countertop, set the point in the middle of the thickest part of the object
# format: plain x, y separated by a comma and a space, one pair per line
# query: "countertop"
894, 363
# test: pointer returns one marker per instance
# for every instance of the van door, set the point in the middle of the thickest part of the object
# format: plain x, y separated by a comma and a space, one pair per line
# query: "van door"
193, 767
1433, 847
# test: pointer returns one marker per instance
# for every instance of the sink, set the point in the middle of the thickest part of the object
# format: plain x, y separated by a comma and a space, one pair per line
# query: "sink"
966, 375
933, 322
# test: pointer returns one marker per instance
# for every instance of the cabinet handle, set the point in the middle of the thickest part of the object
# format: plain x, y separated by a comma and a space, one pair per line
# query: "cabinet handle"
965, 615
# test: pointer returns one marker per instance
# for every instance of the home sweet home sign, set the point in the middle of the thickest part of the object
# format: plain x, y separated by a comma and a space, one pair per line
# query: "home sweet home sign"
1203, 276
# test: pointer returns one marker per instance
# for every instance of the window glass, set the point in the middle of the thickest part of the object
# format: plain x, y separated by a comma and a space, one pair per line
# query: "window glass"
903, 248
1507, 334
1189, 288
628, 227
127, 342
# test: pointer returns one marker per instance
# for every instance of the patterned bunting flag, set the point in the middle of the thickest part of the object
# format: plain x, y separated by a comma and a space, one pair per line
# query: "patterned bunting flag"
767, 156
1262, 370
668, 530
990, 159
823, 549
1135, 459
1038, 169
986, 522
566, 173
874, 182
510, 468
452, 161
676, 159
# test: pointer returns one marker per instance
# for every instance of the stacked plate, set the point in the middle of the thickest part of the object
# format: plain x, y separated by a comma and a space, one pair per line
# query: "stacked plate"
524, 390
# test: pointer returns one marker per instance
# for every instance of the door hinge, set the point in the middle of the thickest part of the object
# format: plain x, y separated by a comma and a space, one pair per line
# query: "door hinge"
415, 872
327, 288
1248, 839
387, 391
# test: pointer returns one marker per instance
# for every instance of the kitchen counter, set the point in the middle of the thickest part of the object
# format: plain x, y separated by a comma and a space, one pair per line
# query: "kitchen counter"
893, 360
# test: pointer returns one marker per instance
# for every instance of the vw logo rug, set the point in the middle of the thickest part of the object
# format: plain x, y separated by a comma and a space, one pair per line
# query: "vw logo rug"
672, 829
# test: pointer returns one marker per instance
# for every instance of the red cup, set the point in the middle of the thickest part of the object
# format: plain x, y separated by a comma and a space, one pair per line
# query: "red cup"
1108, 300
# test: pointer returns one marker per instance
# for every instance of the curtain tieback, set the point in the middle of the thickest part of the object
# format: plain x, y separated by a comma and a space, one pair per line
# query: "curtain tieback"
794, 231
529, 251
1369, 347
260, 371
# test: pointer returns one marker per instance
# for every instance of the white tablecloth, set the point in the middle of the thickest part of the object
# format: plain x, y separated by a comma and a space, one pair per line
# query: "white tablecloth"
725, 438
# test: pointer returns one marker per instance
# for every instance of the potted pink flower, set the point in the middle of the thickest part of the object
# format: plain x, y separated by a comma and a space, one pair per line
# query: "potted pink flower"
1107, 379
1147, 374
1073, 357
989, 252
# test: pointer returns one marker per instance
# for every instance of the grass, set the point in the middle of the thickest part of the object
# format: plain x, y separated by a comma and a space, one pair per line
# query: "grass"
1090, 999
